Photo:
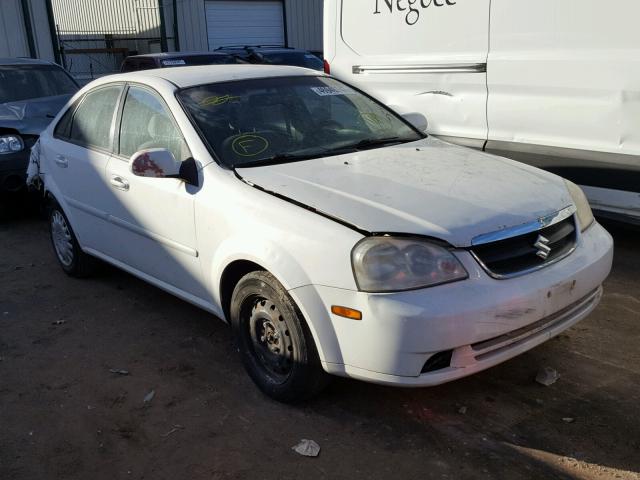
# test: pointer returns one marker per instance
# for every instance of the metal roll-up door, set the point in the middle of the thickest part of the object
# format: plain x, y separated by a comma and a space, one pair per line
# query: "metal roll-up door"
244, 22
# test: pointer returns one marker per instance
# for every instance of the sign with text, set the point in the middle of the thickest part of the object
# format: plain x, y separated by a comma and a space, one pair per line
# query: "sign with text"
410, 9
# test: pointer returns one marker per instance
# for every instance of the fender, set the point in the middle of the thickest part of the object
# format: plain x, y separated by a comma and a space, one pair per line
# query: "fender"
289, 273
263, 252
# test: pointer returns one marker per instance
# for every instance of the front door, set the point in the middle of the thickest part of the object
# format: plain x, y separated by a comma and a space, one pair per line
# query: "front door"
153, 217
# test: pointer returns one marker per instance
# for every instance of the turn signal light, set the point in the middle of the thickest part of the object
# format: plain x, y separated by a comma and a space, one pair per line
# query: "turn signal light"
346, 312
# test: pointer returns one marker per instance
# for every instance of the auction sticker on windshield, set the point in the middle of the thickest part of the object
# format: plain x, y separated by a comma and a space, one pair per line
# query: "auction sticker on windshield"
328, 91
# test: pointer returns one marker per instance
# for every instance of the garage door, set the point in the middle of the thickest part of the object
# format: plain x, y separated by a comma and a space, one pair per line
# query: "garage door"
244, 22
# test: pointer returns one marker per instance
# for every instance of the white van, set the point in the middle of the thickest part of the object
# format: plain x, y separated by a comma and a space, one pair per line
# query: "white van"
553, 84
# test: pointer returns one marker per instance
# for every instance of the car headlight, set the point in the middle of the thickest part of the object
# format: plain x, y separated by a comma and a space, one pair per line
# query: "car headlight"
392, 264
11, 144
584, 213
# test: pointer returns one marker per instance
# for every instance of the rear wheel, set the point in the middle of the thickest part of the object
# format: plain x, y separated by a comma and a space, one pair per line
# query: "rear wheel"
276, 346
72, 259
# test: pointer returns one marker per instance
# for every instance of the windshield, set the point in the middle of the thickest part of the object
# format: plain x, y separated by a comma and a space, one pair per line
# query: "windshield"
296, 59
25, 82
282, 119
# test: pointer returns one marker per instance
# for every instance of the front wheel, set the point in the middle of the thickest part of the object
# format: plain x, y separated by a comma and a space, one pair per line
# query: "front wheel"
276, 346
72, 259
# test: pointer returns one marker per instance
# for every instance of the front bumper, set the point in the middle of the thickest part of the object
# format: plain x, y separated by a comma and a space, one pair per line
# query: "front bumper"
13, 171
480, 321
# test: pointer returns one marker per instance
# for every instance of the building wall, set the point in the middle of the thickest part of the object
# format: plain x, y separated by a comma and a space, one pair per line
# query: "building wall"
13, 36
41, 32
13, 40
304, 24
192, 26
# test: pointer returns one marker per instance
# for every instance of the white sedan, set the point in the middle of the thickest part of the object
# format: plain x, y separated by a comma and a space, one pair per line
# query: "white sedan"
332, 234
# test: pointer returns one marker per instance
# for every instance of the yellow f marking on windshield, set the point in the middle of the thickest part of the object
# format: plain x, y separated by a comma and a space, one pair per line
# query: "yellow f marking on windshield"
249, 145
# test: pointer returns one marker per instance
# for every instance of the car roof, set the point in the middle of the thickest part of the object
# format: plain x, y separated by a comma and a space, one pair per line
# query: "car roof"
184, 77
23, 61
176, 54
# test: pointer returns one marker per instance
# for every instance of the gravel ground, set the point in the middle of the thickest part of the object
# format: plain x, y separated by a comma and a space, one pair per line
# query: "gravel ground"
65, 415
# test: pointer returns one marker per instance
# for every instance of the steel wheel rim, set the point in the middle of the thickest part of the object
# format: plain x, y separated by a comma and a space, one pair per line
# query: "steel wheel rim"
62, 239
270, 339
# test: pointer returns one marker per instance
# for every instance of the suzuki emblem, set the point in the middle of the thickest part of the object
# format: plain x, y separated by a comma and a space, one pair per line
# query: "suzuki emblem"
542, 244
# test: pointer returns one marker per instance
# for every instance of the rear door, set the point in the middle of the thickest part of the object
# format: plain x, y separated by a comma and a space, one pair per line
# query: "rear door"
425, 56
77, 156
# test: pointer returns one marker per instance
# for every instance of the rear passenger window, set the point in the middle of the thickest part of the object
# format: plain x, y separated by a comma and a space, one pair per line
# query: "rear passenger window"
63, 128
147, 123
91, 125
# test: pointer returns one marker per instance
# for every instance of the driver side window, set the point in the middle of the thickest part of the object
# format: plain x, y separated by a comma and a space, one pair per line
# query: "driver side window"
147, 123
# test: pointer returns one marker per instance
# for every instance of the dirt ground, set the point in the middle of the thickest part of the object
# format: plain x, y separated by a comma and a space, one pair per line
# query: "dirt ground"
65, 415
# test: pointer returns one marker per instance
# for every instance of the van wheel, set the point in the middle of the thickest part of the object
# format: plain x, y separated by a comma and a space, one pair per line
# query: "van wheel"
72, 259
275, 344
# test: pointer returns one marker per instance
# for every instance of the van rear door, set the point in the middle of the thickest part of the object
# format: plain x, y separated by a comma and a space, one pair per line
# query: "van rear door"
424, 56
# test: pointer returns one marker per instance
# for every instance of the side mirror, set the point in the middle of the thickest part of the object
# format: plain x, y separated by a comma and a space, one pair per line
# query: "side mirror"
154, 162
417, 120
160, 163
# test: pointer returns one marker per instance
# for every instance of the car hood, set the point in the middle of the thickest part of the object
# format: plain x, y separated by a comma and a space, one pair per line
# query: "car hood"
427, 188
31, 117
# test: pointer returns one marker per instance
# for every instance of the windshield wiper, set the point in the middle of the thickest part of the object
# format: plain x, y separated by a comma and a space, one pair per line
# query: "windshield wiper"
292, 157
376, 142
277, 160
367, 143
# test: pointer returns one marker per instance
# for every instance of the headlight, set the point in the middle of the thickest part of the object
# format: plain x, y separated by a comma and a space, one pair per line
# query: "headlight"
392, 264
11, 144
584, 213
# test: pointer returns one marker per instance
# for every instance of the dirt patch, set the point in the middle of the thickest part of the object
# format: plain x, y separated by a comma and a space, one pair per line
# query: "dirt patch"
65, 415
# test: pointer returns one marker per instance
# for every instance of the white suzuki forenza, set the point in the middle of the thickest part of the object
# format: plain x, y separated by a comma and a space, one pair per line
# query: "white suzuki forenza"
334, 236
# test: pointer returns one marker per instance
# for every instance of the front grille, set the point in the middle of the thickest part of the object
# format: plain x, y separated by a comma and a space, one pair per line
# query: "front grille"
517, 255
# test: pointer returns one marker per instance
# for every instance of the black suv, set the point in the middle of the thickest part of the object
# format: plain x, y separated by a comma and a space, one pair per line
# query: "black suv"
274, 55
174, 59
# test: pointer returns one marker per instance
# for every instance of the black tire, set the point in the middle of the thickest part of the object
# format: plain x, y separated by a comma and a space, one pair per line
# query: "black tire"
275, 344
71, 258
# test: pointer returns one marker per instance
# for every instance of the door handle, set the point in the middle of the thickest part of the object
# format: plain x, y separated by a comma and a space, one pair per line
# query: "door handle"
120, 183
62, 161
